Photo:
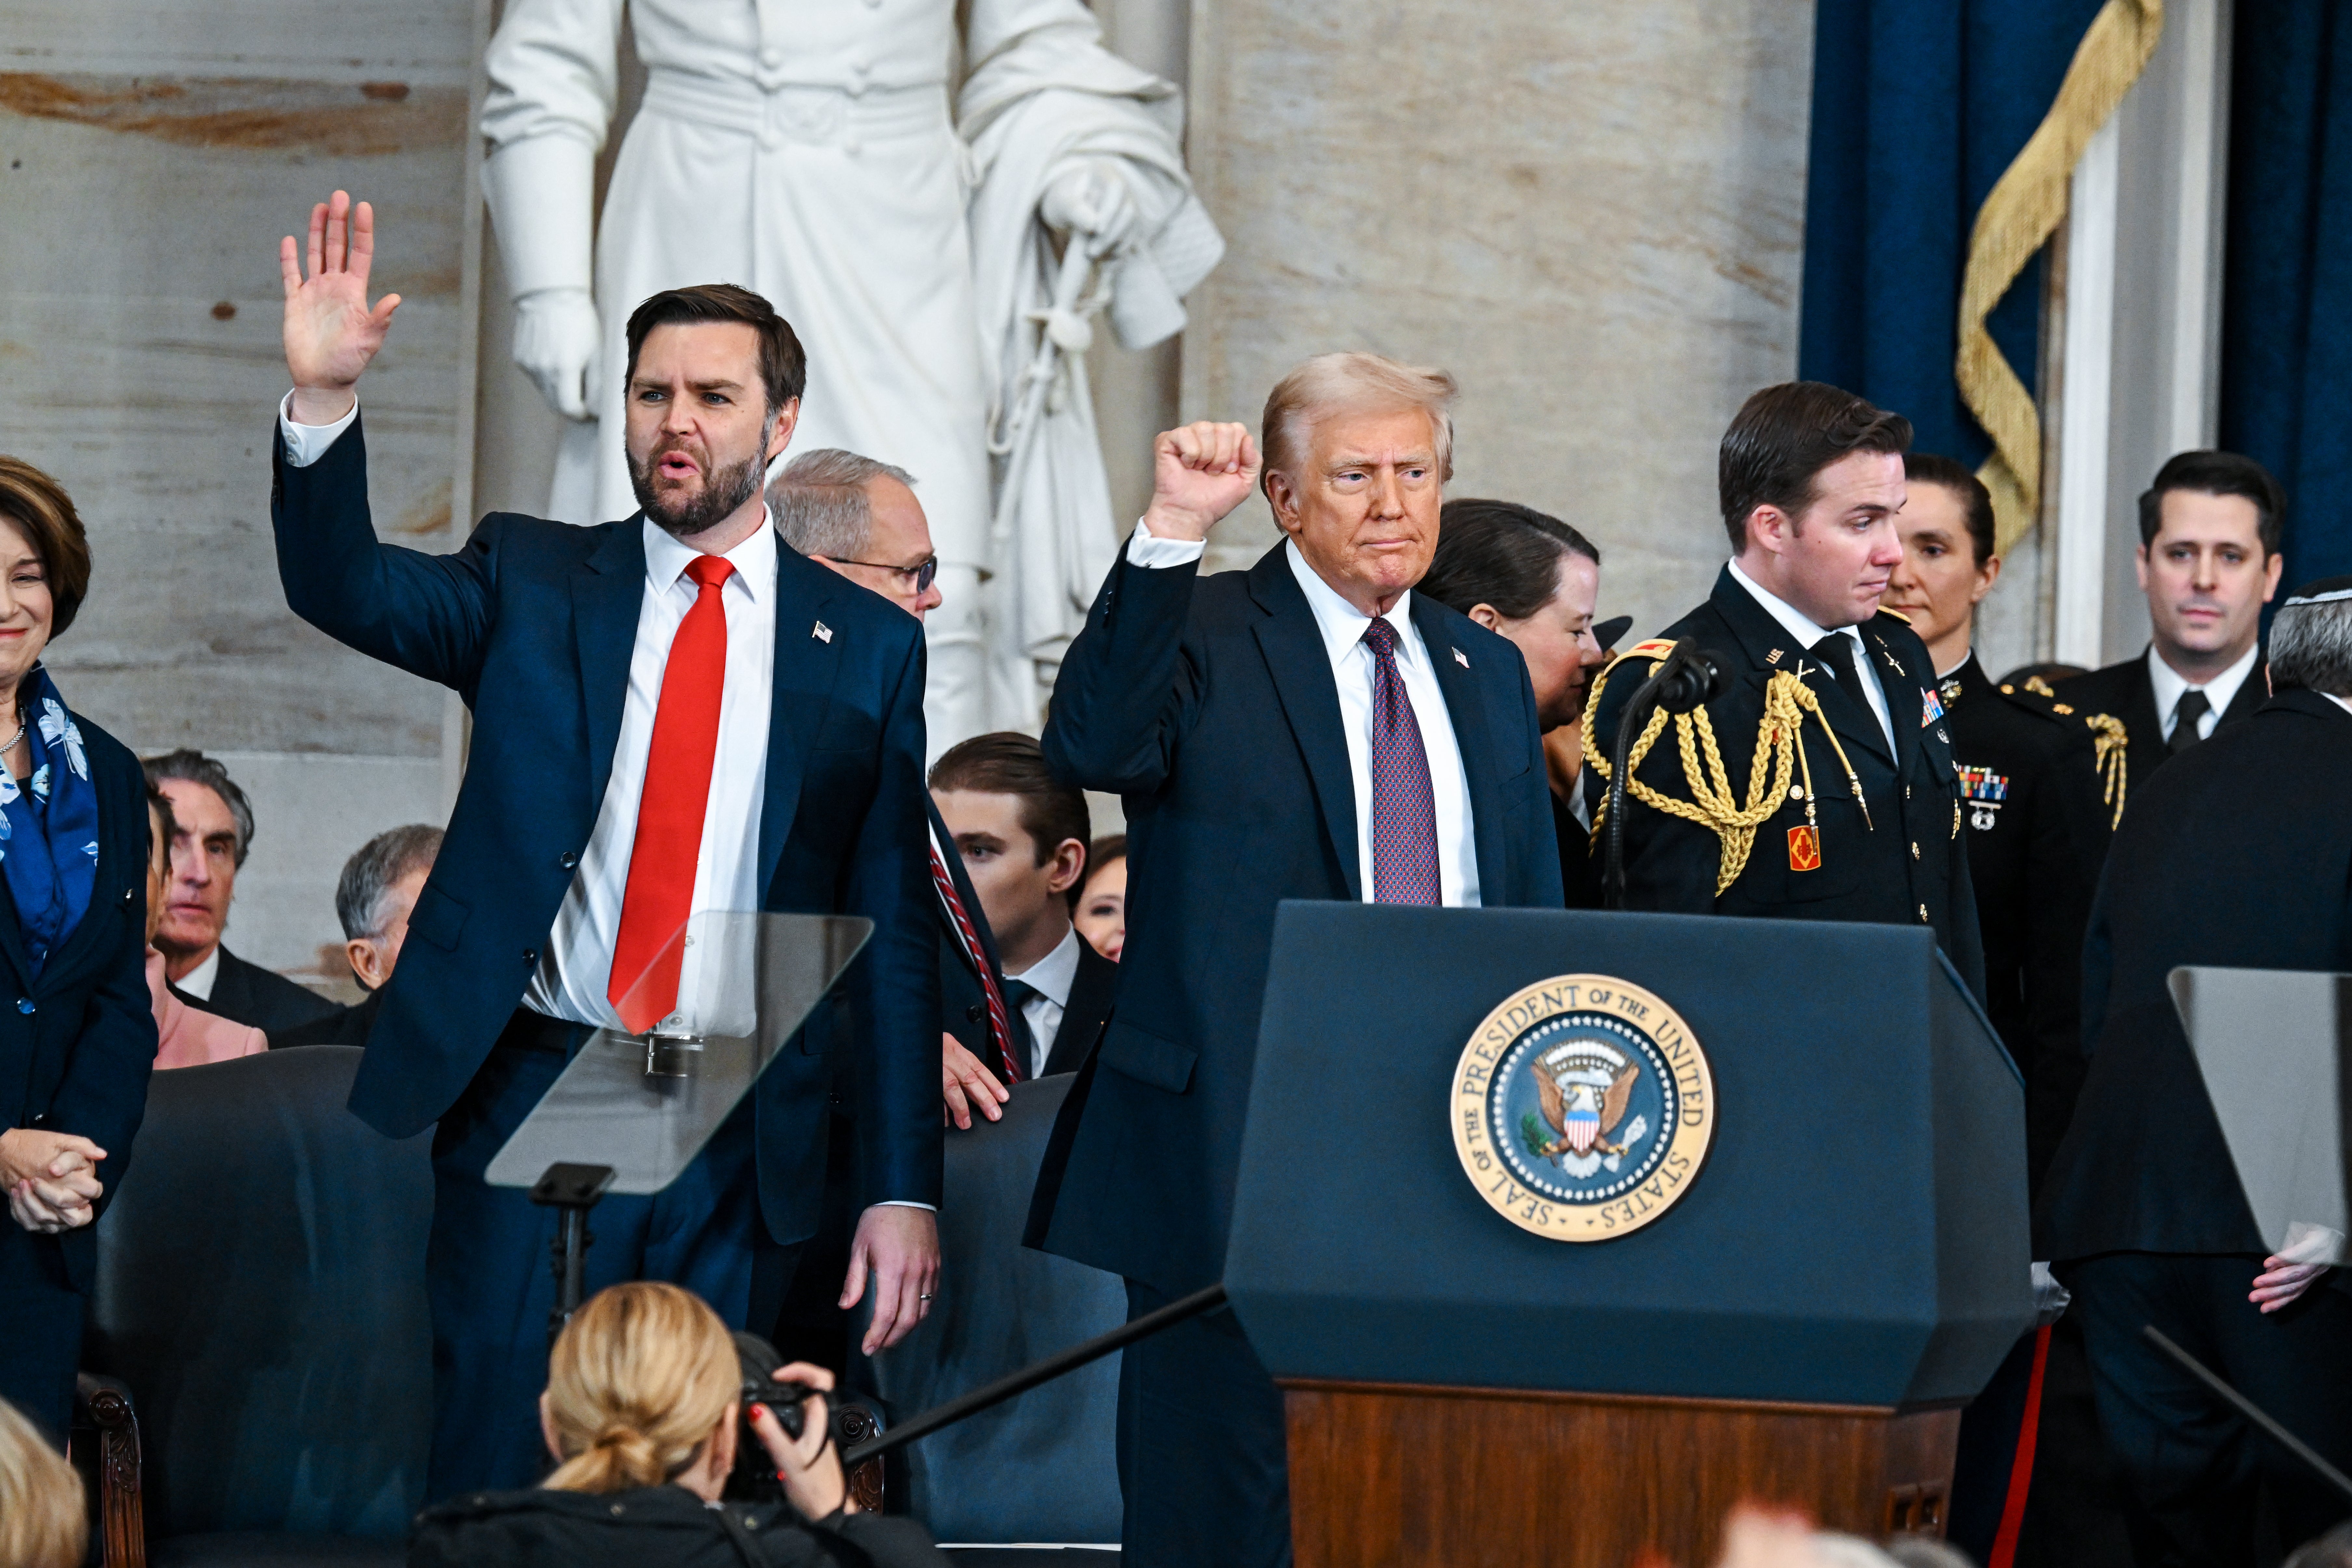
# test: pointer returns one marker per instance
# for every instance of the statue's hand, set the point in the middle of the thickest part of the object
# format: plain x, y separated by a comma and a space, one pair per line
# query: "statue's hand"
557, 337
1091, 200
1199, 474
330, 333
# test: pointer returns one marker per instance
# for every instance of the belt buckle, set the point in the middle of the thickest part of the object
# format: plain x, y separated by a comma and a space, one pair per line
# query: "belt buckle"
673, 1056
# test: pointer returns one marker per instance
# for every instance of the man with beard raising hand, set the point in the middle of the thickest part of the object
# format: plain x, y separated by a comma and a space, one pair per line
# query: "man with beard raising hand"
672, 715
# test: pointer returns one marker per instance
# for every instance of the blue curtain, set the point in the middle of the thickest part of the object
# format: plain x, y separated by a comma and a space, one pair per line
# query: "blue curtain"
1918, 108
2287, 294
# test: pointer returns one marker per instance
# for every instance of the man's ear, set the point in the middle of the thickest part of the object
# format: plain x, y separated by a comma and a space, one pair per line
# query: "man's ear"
361, 954
1486, 615
1283, 497
1069, 865
2140, 565
2271, 576
780, 436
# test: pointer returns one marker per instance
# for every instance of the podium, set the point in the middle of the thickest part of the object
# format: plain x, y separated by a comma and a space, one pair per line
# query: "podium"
1796, 1314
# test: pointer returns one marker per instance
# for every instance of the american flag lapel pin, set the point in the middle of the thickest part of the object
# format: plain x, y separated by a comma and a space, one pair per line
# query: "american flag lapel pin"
822, 632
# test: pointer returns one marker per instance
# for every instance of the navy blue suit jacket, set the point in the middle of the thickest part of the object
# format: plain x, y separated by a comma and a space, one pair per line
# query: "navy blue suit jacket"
533, 624
76, 1043
1209, 704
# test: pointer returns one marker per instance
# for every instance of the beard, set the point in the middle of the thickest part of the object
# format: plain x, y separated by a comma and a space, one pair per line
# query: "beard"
723, 490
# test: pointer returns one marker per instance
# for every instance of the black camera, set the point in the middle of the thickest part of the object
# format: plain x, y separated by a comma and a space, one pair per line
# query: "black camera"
753, 1479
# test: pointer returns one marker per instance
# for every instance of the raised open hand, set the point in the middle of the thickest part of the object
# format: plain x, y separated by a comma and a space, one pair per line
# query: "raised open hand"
330, 333
1199, 474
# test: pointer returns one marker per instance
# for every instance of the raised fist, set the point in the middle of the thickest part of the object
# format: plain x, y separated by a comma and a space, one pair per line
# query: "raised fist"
1199, 474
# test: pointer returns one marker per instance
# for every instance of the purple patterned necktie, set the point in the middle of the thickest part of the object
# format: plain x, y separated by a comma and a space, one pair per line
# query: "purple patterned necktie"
1405, 807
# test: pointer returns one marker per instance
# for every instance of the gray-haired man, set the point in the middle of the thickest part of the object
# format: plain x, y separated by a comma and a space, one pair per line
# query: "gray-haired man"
373, 899
859, 517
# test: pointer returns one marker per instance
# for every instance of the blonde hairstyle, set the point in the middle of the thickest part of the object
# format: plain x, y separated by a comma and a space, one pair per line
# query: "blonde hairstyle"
638, 1380
41, 1522
1353, 383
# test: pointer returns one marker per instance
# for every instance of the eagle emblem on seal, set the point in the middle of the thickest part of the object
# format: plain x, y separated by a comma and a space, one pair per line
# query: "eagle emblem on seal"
1584, 1088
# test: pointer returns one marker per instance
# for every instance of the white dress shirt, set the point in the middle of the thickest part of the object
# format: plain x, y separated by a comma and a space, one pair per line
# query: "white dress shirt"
1800, 626
577, 965
1051, 977
198, 981
1343, 626
2220, 692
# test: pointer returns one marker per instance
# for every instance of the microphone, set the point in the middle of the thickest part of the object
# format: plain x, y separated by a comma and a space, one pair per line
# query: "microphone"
1689, 677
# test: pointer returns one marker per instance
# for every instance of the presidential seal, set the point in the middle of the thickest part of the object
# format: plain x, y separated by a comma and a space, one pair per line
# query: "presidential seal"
1582, 1108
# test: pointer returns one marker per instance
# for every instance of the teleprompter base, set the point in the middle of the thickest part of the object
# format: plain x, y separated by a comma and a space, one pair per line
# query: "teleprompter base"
1402, 1475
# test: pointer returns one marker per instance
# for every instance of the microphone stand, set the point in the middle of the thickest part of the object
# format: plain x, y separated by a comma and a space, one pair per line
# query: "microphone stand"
1685, 679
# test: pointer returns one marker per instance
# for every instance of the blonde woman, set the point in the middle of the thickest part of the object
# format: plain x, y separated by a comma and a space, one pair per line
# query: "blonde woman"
41, 1523
641, 1414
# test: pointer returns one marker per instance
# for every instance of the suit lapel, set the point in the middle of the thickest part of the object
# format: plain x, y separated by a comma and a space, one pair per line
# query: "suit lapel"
607, 593
1473, 736
1761, 636
806, 667
1301, 668
1092, 992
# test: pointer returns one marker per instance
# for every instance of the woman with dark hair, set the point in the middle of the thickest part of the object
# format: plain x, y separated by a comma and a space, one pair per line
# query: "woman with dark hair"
1100, 900
77, 1026
1536, 581
643, 1415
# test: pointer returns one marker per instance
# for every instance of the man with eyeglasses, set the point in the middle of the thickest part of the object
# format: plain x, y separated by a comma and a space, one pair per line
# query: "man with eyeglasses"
860, 517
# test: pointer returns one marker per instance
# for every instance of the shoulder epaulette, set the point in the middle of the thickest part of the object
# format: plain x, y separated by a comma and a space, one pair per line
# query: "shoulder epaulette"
2109, 740
1897, 614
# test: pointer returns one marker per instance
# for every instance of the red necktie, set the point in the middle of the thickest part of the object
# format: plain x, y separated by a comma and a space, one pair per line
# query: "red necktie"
999, 1022
660, 896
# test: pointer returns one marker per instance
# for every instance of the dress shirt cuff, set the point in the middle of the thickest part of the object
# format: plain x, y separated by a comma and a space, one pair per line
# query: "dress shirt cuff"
306, 444
1146, 550
904, 1204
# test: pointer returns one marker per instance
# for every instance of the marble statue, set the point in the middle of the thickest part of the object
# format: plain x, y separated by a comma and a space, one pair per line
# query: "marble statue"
936, 194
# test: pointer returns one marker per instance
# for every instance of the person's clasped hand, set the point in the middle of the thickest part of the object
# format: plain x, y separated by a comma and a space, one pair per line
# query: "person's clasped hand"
51, 1178
809, 1466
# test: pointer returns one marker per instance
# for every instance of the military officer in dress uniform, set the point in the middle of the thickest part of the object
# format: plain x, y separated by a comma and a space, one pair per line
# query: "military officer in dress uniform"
2041, 785
1849, 808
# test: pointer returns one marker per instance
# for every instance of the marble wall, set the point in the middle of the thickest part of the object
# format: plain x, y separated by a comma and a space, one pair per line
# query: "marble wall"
151, 152
1591, 213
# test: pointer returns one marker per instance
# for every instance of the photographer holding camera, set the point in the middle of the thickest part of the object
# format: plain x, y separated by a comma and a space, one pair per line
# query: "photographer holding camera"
644, 1412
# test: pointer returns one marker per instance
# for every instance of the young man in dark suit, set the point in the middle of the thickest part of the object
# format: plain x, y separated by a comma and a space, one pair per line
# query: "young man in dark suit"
1021, 837
2237, 855
1308, 729
2209, 561
673, 714
1866, 825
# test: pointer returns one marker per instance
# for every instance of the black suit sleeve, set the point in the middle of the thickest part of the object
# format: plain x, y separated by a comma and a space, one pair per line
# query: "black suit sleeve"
1128, 686
428, 614
897, 1067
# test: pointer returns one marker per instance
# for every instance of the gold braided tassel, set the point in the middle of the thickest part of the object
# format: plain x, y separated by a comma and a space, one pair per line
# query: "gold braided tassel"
2107, 744
1712, 804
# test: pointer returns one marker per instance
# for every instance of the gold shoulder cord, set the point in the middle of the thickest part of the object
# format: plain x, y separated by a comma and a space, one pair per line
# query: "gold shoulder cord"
1713, 806
2107, 744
